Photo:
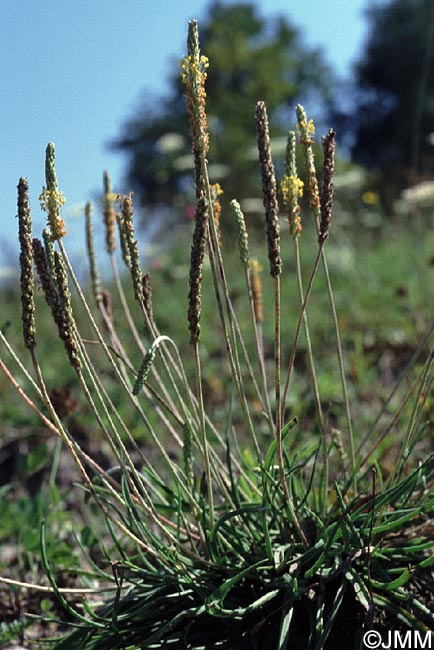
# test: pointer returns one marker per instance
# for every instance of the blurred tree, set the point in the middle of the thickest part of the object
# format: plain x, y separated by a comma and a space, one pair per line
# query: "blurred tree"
394, 118
250, 59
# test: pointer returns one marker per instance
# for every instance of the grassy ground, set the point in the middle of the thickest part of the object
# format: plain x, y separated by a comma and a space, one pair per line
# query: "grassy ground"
382, 281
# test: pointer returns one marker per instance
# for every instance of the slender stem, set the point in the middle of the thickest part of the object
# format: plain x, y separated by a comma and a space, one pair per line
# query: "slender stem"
313, 372
341, 367
205, 450
56, 429
177, 365
155, 437
322, 211
125, 306
218, 465
128, 469
59, 430
279, 414
219, 275
298, 328
63, 434
277, 358
231, 347
260, 352
30, 403
63, 590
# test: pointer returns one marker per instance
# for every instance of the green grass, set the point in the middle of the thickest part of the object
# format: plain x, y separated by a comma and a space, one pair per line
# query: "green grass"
374, 327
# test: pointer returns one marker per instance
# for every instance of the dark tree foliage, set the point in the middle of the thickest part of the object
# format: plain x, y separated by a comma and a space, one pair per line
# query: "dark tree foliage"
394, 114
250, 59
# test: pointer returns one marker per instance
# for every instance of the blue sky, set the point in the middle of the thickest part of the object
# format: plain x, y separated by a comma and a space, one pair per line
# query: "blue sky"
72, 71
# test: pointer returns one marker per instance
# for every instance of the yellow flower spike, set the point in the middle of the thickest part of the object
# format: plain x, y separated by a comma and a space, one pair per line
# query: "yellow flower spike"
256, 282
217, 191
310, 127
193, 75
50, 198
307, 129
291, 188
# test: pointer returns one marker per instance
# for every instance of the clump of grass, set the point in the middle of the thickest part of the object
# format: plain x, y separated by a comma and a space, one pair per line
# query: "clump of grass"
234, 539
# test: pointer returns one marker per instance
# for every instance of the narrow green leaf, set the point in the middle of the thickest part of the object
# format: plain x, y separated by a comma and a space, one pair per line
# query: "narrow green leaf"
284, 626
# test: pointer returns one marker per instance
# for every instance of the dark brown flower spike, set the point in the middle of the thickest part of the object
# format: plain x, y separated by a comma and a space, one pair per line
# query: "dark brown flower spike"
193, 75
133, 249
197, 255
58, 300
327, 190
26, 258
269, 190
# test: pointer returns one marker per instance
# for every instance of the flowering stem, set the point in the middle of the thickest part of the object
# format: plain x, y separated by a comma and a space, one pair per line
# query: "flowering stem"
257, 328
277, 381
229, 324
321, 208
312, 371
202, 427
298, 328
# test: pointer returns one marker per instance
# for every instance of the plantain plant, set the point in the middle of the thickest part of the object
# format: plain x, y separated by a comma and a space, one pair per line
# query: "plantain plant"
257, 534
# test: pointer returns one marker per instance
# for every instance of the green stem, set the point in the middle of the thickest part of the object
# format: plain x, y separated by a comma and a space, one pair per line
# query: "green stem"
341, 367
202, 425
277, 358
260, 352
313, 373
298, 328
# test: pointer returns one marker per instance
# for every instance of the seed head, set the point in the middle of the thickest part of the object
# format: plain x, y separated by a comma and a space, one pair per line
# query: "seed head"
124, 243
148, 360
255, 278
45, 276
307, 130
196, 264
144, 369
51, 199
94, 275
216, 192
49, 252
243, 240
327, 190
65, 321
133, 249
269, 190
193, 75
291, 188
26, 258
57, 297
109, 214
